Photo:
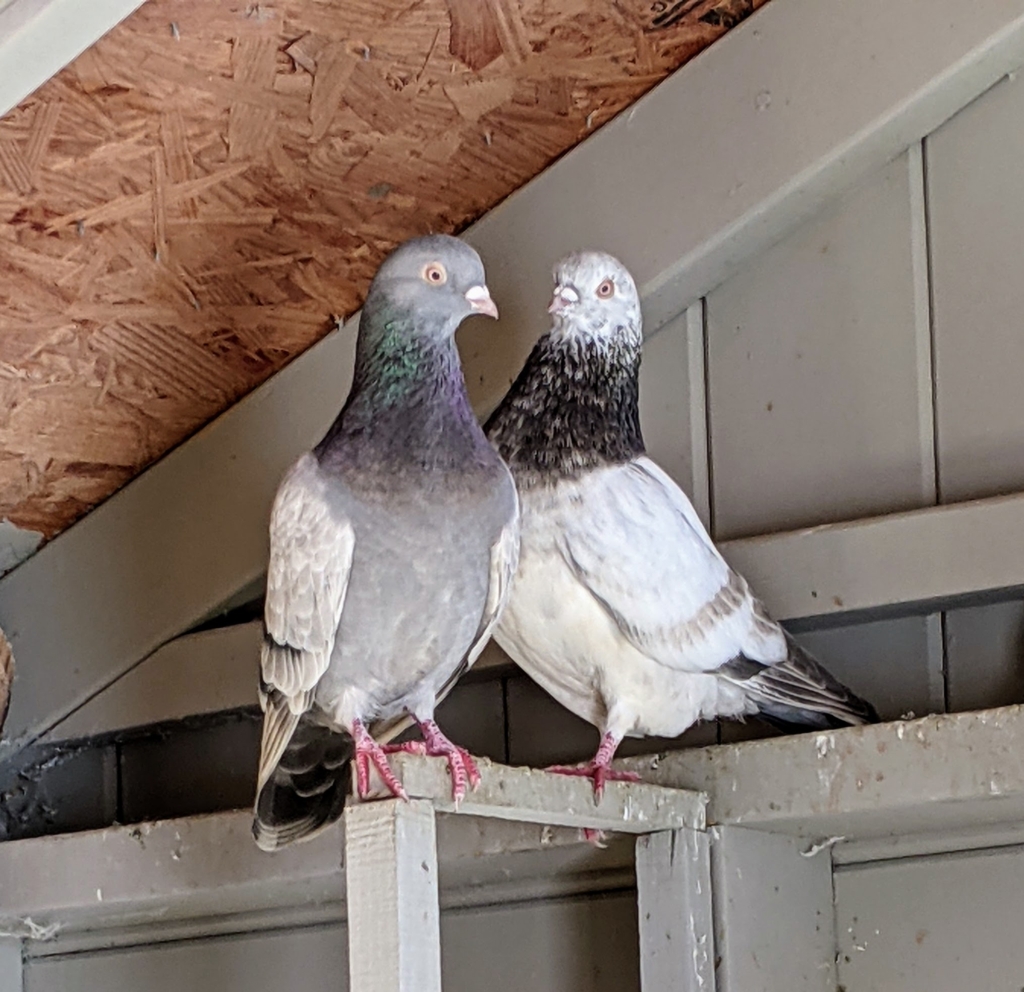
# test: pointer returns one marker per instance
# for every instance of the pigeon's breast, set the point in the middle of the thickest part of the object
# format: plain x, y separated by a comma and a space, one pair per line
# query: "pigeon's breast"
418, 588
567, 640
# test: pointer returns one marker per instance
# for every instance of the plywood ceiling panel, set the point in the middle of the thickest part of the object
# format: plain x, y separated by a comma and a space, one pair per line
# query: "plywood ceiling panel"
185, 207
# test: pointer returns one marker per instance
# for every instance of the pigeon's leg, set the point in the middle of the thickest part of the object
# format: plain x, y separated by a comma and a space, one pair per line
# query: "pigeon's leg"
460, 763
367, 750
600, 768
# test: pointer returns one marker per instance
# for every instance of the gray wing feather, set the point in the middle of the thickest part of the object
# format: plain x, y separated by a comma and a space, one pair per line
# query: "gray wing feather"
639, 548
311, 547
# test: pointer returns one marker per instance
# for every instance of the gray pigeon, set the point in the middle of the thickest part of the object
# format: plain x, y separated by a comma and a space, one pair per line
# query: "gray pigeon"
392, 548
622, 607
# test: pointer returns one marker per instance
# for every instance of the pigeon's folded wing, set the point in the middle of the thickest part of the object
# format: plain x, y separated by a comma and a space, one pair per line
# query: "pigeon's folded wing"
640, 549
504, 560
311, 546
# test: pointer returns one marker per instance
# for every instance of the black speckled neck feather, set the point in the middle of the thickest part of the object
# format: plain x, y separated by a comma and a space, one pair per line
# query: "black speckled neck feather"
573, 407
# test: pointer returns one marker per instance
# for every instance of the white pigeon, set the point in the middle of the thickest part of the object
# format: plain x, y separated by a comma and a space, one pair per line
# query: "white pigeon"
622, 607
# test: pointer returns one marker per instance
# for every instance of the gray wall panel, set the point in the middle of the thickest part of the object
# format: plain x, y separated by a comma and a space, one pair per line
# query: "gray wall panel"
819, 407
566, 945
944, 924
976, 228
985, 656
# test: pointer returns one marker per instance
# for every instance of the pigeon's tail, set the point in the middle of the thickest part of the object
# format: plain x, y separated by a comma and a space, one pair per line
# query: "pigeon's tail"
798, 691
306, 790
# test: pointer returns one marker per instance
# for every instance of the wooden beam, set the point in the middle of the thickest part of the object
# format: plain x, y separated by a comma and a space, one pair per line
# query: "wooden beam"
191, 531
917, 557
954, 772
11, 969
673, 882
531, 795
906, 561
178, 872
203, 875
207, 672
748, 140
394, 932
39, 37
6, 677
774, 920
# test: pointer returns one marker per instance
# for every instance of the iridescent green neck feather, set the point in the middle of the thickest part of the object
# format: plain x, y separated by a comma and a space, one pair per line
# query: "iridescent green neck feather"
408, 404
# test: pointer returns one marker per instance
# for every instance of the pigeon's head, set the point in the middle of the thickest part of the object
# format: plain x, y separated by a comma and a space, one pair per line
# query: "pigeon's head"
595, 297
437, 278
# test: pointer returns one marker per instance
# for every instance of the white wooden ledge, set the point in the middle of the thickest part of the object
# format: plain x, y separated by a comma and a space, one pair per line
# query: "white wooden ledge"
388, 863
532, 795
781, 814
391, 868
931, 784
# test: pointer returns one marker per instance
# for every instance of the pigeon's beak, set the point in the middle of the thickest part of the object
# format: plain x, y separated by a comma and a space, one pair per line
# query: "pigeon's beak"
479, 298
565, 297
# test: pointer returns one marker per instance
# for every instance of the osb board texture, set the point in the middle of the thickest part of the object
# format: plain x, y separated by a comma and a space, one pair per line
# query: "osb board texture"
186, 206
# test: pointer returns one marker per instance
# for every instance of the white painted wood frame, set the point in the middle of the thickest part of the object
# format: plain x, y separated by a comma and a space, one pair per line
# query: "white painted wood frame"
724, 158
673, 889
785, 812
39, 37
394, 915
391, 871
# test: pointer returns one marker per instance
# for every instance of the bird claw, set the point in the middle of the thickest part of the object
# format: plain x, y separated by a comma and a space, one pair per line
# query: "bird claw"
367, 751
595, 838
406, 747
461, 765
598, 772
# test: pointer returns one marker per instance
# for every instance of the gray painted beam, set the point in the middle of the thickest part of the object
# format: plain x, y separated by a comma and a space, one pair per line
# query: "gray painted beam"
11, 970
940, 553
182, 870
935, 554
199, 875
530, 795
949, 772
39, 37
394, 930
673, 882
774, 924
207, 672
761, 149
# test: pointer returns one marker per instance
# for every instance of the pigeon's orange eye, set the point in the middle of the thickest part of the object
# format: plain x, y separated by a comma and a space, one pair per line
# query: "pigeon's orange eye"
606, 289
435, 274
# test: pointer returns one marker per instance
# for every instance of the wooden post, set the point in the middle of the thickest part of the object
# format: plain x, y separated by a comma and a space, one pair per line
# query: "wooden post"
774, 917
673, 881
394, 931
11, 972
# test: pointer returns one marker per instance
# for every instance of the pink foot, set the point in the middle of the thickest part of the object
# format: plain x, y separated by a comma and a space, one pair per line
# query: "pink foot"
461, 765
367, 750
595, 838
599, 769
406, 747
